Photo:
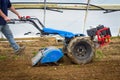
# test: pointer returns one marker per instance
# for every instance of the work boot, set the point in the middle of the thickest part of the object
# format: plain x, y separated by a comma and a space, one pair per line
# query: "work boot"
20, 51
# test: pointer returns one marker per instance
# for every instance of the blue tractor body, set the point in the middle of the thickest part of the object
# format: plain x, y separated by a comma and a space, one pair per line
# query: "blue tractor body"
62, 33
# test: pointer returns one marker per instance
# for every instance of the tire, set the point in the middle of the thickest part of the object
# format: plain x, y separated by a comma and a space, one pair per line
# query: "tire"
81, 50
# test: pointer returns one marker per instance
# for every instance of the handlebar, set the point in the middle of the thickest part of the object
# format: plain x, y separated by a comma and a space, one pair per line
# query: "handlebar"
27, 19
13, 21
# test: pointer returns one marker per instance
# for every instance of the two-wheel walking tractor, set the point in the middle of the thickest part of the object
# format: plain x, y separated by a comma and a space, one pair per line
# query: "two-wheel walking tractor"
78, 47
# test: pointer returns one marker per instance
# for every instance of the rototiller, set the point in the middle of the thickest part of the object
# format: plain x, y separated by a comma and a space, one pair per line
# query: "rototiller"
79, 48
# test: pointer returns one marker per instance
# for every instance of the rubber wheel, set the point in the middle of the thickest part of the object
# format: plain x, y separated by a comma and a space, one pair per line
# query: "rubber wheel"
81, 50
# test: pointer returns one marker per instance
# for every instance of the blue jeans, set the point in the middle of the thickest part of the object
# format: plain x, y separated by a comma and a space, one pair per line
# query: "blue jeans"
8, 34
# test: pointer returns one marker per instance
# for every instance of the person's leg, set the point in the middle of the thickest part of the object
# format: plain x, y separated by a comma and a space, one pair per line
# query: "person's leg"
0, 29
8, 34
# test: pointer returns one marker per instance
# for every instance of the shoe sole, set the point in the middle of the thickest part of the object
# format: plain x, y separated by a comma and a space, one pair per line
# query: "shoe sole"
20, 52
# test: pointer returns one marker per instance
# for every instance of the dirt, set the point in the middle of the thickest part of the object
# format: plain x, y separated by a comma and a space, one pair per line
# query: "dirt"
105, 66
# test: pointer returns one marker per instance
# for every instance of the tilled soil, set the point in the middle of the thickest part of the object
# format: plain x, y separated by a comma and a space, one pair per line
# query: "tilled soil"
105, 66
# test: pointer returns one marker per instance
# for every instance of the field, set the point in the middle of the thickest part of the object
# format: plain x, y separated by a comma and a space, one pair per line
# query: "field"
105, 66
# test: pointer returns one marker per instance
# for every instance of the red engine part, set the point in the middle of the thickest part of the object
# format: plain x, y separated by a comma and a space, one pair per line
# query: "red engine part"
103, 36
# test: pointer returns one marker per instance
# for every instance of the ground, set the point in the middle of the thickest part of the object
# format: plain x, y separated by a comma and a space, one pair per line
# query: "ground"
105, 66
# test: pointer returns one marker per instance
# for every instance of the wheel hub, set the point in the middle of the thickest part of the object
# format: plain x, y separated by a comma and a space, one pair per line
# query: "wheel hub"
81, 51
